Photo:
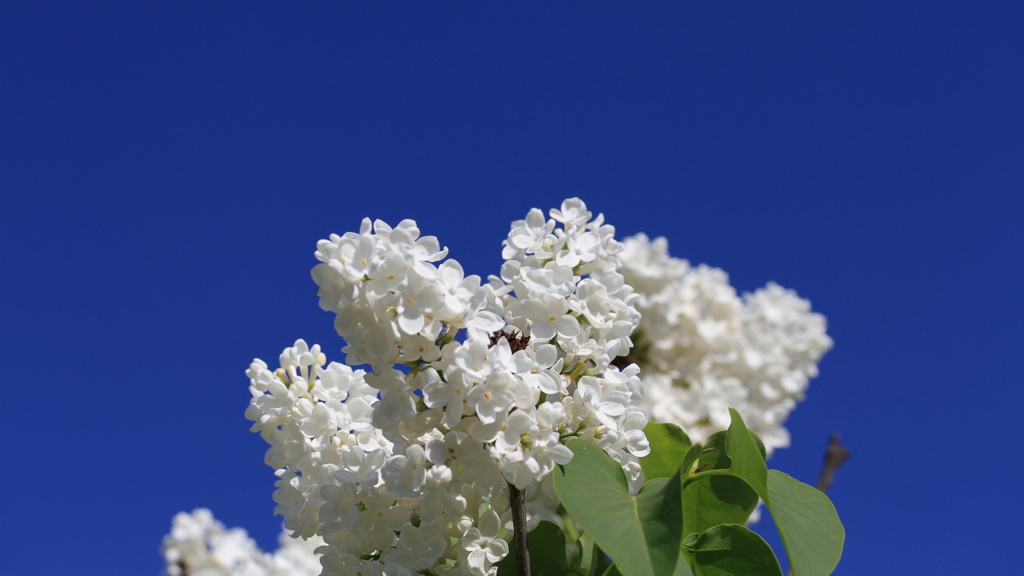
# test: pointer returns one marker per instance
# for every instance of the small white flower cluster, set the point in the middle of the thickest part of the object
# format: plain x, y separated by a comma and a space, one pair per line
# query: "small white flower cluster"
404, 469
199, 545
703, 349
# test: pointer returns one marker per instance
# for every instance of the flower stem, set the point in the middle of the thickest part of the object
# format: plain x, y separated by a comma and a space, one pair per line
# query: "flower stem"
517, 499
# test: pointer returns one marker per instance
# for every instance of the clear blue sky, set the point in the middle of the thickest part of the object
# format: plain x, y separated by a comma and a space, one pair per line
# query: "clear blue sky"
166, 169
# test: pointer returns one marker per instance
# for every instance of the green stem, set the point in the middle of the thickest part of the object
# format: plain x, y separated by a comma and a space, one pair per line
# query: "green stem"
611, 570
578, 371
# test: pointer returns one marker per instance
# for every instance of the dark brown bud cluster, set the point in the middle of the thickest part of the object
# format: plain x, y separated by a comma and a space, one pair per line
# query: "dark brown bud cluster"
516, 343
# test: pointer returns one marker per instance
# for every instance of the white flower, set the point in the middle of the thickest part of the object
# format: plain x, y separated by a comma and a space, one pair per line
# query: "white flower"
339, 509
547, 451
605, 403
386, 277
405, 474
708, 349
320, 425
483, 544
436, 496
360, 467
200, 545
528, 234
456, 289
452, 396
454, 445
382, 517
492, 398
416, 551
414, 308
582, 248
573, 213
473, 359
403, 469
548, 317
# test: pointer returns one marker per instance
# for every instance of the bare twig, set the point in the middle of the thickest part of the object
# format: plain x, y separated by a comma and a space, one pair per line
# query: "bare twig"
517, 498
835, 455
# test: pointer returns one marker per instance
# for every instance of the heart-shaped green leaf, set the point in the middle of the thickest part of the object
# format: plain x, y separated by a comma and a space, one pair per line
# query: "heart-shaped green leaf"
732, 550
641, 533
808, 524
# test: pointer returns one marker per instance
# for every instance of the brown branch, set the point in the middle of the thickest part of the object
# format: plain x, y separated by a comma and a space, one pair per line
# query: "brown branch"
517, 498
835, 455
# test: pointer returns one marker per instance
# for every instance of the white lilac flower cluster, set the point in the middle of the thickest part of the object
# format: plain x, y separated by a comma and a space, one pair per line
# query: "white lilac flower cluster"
199, 545
473, 386
703, 349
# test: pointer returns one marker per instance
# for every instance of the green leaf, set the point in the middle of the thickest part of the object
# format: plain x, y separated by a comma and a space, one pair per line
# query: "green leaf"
641, 533
808, 524
692, 455
732, 550
685, 565
720, 492
716, 500
713, 452
669, 445
547, 553
712, 500
747, 460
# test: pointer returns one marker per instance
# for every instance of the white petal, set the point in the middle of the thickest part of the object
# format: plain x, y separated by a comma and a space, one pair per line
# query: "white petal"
489, 524
567, 326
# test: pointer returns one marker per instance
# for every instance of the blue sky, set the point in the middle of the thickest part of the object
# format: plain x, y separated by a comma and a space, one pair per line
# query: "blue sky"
167, 168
